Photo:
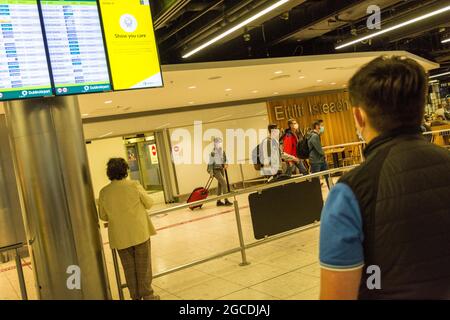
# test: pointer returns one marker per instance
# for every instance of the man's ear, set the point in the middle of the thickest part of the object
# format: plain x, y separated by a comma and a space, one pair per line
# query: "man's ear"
359, 117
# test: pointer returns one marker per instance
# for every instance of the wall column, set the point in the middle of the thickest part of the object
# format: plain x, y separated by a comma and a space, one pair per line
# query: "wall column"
60, 215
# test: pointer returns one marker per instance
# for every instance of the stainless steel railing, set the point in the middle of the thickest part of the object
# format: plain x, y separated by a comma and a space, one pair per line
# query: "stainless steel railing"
15, 248
242, 245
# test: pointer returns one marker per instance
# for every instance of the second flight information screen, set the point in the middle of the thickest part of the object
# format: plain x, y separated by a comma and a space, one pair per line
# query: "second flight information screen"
75, 46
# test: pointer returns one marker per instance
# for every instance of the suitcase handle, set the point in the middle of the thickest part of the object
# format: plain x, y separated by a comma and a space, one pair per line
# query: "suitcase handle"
208, 184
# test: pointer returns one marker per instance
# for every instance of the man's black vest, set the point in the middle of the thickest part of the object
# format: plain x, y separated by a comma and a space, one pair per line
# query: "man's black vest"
403, 191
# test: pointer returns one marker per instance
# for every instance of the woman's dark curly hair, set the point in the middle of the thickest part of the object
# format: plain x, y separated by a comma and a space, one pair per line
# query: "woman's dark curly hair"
117, 169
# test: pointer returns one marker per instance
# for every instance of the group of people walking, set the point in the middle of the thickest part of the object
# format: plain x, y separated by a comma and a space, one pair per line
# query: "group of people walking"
296, 153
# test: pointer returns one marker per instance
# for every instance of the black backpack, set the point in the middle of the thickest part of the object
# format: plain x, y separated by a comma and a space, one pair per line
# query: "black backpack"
303, 148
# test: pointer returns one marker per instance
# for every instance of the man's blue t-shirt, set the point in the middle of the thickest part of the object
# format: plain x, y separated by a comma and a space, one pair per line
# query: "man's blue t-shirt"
341, 232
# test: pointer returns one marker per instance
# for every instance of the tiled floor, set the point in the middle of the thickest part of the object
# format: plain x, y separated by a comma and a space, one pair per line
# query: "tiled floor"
283, 269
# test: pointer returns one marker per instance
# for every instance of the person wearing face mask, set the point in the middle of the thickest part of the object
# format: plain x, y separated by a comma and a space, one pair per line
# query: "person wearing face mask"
389, 218
289, 146
316, 153
216, 168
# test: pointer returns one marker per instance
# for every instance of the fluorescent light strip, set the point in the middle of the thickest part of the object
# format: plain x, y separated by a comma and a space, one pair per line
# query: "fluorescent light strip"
398, 26
446, 40
237, 27
105, 135
440, 75
221, 118
164, 125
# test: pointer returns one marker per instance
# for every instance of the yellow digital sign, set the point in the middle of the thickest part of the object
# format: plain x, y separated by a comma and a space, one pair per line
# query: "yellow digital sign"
131, 44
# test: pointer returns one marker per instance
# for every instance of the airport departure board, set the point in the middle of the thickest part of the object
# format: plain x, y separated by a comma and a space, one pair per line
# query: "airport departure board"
63, 47
131, 44
23, 62
75, 45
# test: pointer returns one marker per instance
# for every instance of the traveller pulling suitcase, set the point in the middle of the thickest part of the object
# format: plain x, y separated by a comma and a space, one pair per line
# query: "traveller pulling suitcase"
200, 193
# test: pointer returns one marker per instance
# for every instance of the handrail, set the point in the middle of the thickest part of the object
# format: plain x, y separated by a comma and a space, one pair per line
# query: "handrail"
12, 247
437, 131
344, 145
16, 247
295, 179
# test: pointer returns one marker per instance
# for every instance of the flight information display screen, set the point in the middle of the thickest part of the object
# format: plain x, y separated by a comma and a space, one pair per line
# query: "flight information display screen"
131, 44
75, 45
24, 71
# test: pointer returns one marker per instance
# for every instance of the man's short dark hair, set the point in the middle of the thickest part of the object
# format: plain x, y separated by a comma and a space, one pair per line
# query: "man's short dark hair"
392, 91
271, 127
291, 121
117, 169
315, 124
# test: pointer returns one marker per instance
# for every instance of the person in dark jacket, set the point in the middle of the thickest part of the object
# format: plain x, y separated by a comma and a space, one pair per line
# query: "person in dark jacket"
316, 153
290, 141
216, 168
385, 227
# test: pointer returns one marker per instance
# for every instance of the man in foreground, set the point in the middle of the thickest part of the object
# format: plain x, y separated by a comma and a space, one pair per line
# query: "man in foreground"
385, 229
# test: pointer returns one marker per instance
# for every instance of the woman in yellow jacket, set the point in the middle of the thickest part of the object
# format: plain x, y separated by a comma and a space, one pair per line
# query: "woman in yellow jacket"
124, 204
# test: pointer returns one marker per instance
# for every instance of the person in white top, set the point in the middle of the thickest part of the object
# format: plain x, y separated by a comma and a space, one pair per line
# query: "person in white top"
124, 204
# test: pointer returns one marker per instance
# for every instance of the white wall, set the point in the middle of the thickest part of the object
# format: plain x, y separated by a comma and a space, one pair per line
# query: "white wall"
191, 176
99, 152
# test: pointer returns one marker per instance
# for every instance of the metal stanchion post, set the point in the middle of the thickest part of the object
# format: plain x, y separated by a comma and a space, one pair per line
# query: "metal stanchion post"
23, 288
117, 272
361, 154
242, 175
331, 182
241, 236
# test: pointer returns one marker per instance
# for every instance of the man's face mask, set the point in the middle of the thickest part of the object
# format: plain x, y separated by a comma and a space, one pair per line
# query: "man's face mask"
322, 129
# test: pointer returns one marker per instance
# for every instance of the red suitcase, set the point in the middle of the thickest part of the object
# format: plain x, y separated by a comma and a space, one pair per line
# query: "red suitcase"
200, 194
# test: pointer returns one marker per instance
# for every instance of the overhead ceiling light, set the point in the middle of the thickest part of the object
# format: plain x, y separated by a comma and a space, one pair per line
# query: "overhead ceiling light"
278, 72
255, 91
235, 28
108, 101
106, 134
192, 87
319, 80
433, 81
85, 114
228, 89
160, 127
221, 118
446, 40
191, 102
333, 83
395, 27
301, 77
440, 75
275, 93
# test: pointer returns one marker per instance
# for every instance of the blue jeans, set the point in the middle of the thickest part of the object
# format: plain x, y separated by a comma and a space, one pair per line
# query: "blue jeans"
318, 167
